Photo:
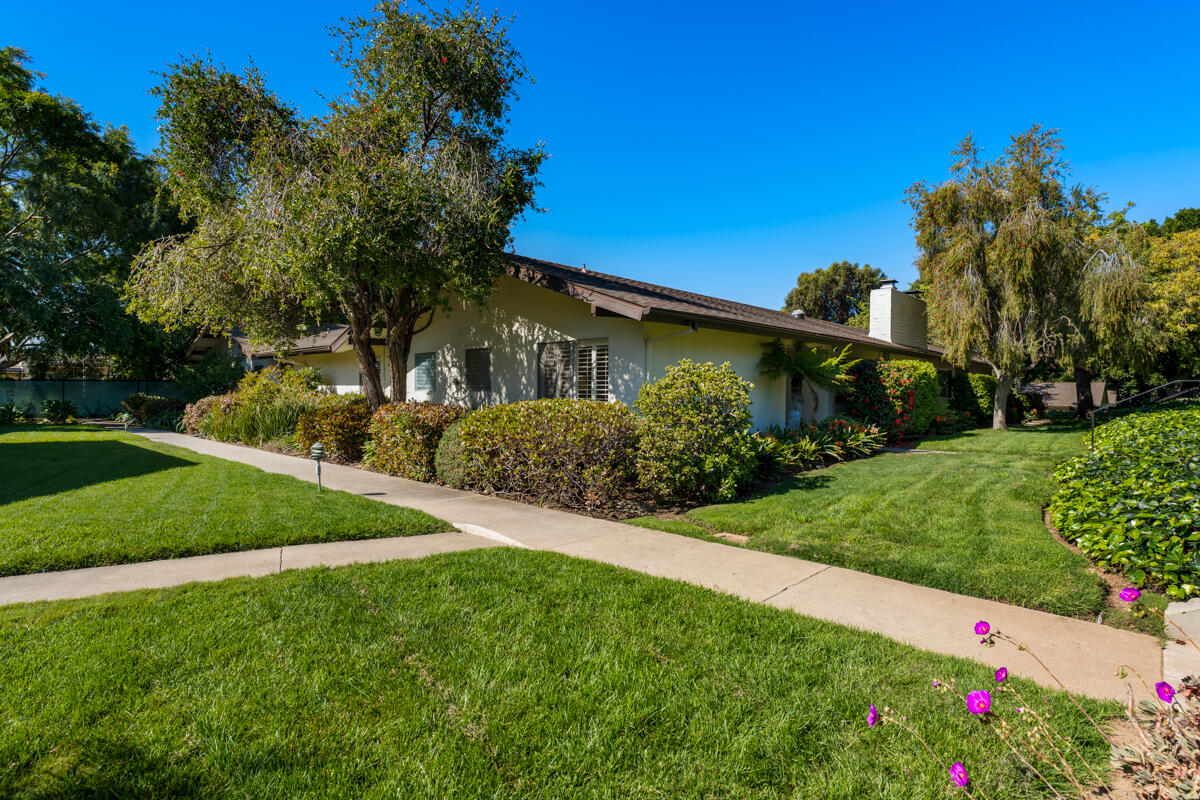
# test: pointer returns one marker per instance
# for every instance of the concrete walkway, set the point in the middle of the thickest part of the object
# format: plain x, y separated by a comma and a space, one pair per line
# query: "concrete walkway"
1082, 654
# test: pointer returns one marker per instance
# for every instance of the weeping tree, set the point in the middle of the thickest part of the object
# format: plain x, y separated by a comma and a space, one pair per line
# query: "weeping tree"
805, 366
378, 213
1013, 266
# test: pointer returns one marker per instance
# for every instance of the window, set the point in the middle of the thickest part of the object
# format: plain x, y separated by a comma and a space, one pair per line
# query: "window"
574, 369
479, 369
424, 366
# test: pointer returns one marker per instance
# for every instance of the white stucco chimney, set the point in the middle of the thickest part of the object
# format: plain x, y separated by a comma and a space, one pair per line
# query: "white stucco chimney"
898, 317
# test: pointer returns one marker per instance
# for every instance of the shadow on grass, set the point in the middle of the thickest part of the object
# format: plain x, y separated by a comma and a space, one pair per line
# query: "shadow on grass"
805, 481
37, 469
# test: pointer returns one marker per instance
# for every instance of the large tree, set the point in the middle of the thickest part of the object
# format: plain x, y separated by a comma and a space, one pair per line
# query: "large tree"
1012, 265
838, 293
77, 202
1185, 219
397, 199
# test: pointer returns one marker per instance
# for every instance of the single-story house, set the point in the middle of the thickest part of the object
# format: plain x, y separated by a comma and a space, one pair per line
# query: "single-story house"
550, 330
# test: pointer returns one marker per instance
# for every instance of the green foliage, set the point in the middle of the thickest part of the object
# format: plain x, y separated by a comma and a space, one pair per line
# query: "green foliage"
144, 407
898, 397
218, 372
1134, 503
973, 394
450, 459
951, 420
805, 365
792, 449
568, 453
1185, 219
694, 439
195, 413
838, 293
340, 423
58, 411
77, 202
9, 413
296, 217
404, 437
265, 406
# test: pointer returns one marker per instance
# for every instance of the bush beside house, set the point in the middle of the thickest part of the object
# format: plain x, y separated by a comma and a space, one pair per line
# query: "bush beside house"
695, 439
403, 438
570, 453
340, 423
898, 397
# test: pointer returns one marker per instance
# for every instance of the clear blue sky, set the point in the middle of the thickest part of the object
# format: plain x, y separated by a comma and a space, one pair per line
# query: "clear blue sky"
723, 148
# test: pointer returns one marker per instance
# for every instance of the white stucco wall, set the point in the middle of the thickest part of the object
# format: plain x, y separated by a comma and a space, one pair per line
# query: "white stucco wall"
898, 317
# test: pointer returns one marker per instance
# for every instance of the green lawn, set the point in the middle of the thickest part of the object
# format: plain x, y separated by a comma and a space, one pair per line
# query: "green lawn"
77, 496
969, 522
496, 673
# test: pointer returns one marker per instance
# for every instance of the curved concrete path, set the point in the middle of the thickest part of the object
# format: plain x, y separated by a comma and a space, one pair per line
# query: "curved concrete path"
1082, 654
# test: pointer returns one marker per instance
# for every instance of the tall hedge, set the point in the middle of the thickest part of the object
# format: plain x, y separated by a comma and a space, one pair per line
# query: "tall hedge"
898, 397
974, 395
404, 437
571, 453
695, 439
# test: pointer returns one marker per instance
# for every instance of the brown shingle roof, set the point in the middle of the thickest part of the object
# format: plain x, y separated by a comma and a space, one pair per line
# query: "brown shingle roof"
648, 301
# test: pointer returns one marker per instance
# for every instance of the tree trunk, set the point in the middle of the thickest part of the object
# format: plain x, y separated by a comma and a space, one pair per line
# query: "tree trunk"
1083, 392
1000, 403
358, 310
399, 343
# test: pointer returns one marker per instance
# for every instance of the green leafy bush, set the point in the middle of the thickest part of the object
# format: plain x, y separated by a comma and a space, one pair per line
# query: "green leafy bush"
339, 422
449, 461
58, 411
195, 413
976, 394
147, 407
266, 406
405, 437
217, 372
898, 397
1134, 503
777, 453
694, 439
951, 420
570, 453
9, 414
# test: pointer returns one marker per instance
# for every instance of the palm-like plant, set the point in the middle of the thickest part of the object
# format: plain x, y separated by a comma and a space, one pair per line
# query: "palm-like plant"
805, 366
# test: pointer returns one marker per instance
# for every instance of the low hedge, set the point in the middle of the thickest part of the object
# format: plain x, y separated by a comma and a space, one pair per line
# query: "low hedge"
1134, 503
448, 461
340, 423
149, 406
570, 453
404, 437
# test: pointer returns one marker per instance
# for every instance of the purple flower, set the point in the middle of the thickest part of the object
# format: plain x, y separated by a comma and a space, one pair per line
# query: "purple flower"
1129, 594
1165, 692
1020, 709
936, 684
1001, 674
872, 716
958, 774
982, 628
979, 702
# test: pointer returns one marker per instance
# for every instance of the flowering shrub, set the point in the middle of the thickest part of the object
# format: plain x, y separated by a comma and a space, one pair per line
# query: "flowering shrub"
338, 422
571, 453
1134, 503
898, 397
695, 439
404, 437
1163, 763
195, 413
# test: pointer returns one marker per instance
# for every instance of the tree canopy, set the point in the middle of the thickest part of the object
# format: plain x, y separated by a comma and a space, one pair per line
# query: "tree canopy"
1017, 268
77, 202
398, 198
838, 293
1185, 219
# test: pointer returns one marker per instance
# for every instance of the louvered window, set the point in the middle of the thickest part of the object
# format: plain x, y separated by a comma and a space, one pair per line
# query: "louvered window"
554, 369
591, 370
424, 367
574, 369
479, 369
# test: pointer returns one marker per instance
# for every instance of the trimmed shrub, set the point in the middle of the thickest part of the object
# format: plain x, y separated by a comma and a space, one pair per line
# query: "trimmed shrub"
863, 397
338, 422
570, 453
694, 439
449, 460
58, 411
405, 437
1134, 503
974, 394
145, 407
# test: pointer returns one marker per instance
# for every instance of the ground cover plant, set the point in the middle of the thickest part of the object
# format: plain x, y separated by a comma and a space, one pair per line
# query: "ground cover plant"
84, 497
969, 522
495, 673
1134, 503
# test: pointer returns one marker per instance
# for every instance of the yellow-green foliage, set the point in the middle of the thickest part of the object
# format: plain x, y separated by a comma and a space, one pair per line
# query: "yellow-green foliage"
339, 423
404, 437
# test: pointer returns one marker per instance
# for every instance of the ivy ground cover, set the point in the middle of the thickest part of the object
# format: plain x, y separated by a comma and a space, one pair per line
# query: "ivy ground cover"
969, 522
498, 673
79, 496
1134, 503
